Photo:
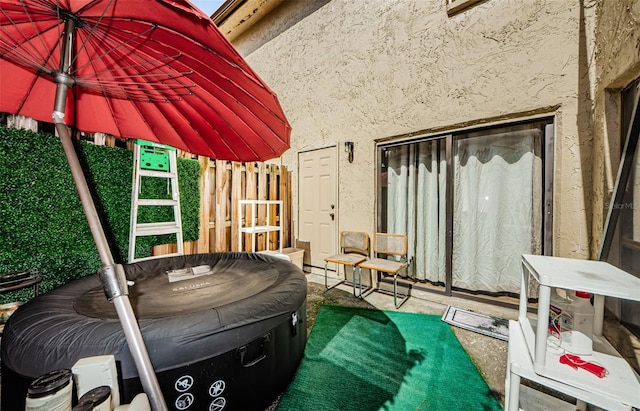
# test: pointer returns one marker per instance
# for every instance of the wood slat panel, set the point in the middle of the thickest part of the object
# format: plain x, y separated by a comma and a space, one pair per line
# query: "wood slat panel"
273, 237
221, 199
237, 172
262, 210
205, 206
251, 193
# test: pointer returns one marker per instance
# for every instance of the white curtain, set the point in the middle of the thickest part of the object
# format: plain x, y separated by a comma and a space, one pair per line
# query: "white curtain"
497, 208
416, 184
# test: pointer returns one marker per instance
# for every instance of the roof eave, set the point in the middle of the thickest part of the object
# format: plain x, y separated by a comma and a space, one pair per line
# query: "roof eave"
234, 17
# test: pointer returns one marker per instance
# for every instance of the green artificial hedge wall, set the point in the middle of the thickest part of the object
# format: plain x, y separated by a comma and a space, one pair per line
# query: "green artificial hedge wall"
42, 222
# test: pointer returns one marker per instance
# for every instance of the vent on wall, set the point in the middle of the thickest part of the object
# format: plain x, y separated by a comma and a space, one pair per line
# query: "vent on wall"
454, 6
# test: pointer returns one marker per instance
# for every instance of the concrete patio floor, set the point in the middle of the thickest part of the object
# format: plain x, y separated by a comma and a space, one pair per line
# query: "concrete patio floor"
488, 353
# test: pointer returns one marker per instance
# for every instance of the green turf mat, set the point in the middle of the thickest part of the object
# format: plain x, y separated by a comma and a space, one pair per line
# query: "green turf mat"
361, 359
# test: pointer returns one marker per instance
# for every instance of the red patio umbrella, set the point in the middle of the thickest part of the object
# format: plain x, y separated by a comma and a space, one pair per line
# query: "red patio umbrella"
158, 70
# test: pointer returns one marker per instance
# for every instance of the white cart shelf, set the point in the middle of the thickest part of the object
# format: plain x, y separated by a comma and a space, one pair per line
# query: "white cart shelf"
251, 226
620, 389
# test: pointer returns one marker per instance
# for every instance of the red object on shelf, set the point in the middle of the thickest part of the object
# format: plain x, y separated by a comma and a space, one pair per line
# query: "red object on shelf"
576, 362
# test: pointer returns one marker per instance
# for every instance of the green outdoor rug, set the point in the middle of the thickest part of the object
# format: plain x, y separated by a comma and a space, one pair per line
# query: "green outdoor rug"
360, 359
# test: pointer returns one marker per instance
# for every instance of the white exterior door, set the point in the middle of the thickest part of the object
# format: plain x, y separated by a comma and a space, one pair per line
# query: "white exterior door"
317, 205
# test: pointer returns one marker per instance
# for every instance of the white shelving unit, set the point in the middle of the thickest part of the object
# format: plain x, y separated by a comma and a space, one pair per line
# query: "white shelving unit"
252, 227
528, 354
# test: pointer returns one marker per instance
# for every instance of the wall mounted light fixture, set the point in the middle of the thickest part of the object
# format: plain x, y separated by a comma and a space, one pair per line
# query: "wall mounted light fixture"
348, 148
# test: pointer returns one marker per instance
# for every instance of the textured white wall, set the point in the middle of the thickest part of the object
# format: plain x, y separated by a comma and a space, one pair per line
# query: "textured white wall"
367, 70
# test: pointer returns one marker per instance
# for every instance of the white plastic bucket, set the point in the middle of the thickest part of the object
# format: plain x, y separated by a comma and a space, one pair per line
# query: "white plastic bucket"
50, 392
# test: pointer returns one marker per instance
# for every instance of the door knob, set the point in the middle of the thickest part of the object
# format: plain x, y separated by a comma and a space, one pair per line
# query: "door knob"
332, 215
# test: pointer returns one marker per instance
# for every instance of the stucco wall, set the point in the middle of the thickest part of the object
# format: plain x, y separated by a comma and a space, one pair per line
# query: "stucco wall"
369, 70
615, 64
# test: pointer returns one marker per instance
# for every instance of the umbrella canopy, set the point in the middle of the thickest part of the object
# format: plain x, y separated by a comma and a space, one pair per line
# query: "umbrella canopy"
158, 70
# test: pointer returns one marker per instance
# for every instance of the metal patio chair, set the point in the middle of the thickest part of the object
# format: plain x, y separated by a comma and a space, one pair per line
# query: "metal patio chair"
354, 248
386, 245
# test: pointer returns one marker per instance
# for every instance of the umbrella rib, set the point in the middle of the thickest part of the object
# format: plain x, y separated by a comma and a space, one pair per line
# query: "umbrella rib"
93, 29
34, 52
166, 75
162, 83
116, 124
112, 50
141, 90
239, 89
244, 121
130, 93
249, 111
58, 25
29, 56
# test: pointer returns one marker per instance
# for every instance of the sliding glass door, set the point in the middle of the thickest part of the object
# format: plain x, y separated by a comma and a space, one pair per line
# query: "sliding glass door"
471, 204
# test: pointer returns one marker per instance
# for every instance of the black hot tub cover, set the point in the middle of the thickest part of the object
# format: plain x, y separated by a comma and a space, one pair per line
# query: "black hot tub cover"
181, 322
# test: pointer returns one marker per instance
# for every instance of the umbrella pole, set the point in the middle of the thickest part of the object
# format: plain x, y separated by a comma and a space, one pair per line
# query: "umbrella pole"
112, 275
113, 279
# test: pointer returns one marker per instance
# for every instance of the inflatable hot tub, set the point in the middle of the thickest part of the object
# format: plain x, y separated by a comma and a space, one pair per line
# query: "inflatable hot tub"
227, 332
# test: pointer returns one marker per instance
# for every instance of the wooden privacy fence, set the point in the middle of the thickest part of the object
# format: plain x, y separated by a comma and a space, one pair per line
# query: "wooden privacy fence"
222, 185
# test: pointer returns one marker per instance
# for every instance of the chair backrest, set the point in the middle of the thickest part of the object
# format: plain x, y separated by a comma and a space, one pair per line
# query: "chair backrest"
354, 242
390, 244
